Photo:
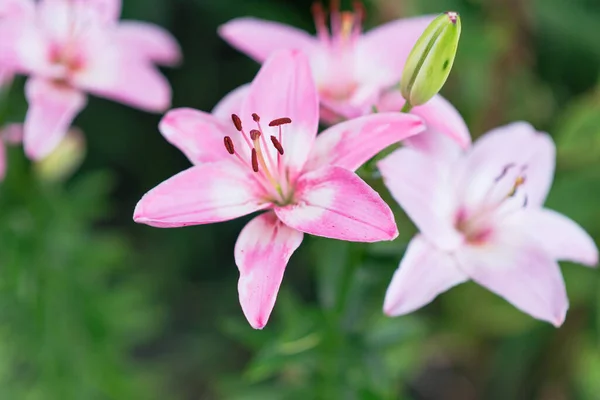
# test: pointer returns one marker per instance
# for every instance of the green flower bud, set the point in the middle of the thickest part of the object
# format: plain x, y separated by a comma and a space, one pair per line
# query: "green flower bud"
430, 61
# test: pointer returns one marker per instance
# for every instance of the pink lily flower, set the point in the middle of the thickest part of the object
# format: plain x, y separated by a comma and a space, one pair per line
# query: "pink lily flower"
481, 217
13, 9
270, 160
351, 69
73, 47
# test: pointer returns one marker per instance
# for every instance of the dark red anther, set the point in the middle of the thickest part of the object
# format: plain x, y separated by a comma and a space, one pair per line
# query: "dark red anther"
317, 11
254, 161
359, 11
254, 134
229, 145
277, 144
255, 117
280, 121
237, 122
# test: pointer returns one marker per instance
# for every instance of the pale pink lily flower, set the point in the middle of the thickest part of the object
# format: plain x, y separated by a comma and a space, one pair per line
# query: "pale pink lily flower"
11, 9
73, 47
351, 69
270, 159
480, 217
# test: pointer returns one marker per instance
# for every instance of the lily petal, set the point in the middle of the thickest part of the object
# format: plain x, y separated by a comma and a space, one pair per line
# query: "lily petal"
422, 186
284, 87
514, 144
125, 78
107, 11
152, 42
352, 143
197, 134
231, 103
203, 194
52, 108
440, 118
522, 273
262, 252
376, 62
259, 38
335, 203
560, 236
424, 273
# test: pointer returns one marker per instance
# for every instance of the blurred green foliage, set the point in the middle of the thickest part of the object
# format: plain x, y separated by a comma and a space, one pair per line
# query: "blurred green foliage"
93, 306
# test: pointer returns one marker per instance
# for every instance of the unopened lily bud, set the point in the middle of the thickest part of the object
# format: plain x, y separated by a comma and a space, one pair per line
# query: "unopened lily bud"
430, 61
64, 160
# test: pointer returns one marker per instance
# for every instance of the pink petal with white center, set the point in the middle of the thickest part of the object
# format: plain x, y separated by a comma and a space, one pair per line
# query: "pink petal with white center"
520, 272
381, 53
440, 117
231, 103
203, 194
197, 134
52, 108
151, 42
517, 145
259, 38
560, 236
352, 143
126, 79
422, 186
335, 203
423, 274
262, 252
284, 87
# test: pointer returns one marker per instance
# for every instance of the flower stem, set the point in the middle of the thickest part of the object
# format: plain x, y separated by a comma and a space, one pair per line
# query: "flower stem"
407, 107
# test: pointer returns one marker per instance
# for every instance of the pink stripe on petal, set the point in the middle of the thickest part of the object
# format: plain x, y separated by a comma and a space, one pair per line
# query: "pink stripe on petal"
197, 134
284, 87
335, 203
52, 108
421, 185
520, 272
260, 39
203, 194
152, 42
423, 274
352, 143
262, 252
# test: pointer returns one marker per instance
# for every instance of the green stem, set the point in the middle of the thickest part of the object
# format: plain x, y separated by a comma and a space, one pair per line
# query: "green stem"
407, 107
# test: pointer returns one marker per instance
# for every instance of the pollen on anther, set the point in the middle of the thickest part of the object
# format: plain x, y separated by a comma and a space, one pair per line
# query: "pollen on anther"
237, 122
255, 117
277, 144
254, 161
254, 134
280, 121
229, 145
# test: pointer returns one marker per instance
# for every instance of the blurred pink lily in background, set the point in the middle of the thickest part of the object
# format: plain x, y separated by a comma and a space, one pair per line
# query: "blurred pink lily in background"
73, 47
11, 10
351, 69
269, 158
480, 217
